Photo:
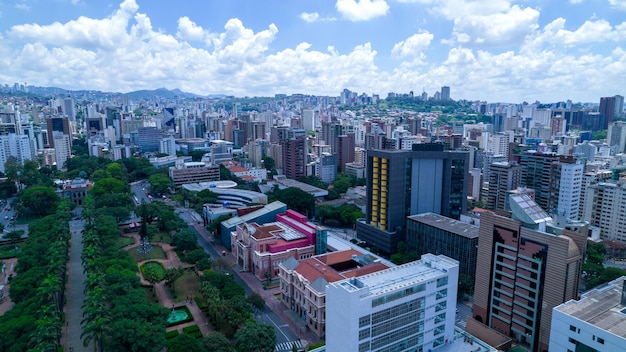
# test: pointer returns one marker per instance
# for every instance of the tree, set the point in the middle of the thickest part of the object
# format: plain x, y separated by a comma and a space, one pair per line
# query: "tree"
256, 300
183, 343
14, 236
296, 199
216, 342
221, 265
215, 225
214, 302
171, 275
341, 183
256, 337
195, 256
159, 184
237, 311
40, 200
185, 240
269, 163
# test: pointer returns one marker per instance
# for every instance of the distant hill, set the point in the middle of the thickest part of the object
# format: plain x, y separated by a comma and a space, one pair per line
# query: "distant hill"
161, 93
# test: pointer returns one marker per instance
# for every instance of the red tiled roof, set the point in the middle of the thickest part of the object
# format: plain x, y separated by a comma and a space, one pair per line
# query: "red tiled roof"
263, 232
237, 168
339, 257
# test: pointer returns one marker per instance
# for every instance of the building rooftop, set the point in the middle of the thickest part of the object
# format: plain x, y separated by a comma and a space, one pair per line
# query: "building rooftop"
334, 266
234, 221
405, 275
601, 307
445, 223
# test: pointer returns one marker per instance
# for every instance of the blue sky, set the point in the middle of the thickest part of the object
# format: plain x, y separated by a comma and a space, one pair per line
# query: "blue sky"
496, 50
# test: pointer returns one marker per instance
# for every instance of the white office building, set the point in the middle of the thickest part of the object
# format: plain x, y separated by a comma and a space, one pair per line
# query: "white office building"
17, 146
604, 208
410, 307
596, 322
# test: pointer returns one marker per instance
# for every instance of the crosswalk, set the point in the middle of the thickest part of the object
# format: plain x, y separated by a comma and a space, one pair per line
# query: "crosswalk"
287, 346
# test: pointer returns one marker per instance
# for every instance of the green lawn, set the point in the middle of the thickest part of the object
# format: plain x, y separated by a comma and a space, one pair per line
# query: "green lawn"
162, 236
150, 295
156, 253
124, 241
8, 251
187, 284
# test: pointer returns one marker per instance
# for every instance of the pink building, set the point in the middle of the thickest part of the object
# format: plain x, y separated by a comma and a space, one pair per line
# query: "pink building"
261, 248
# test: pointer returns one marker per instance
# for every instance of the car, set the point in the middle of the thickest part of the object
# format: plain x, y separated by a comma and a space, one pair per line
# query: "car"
6, 217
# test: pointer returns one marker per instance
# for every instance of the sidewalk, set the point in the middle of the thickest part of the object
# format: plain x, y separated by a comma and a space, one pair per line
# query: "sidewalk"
271, 296
163, 294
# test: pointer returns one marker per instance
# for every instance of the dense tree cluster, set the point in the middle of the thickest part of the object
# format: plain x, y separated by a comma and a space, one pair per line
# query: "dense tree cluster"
36, 320
118, 316
344, 215
294, 198
594, 271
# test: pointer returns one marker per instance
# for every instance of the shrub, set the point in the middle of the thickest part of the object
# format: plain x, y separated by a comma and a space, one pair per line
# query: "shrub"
190, 329
197, 334
171, 334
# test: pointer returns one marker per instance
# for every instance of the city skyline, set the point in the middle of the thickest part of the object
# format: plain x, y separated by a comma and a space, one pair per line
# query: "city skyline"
507, 51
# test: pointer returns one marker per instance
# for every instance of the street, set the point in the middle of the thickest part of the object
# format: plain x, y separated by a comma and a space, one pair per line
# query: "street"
284, 335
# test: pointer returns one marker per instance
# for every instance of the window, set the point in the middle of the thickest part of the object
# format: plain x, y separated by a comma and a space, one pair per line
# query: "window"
572, 328
600, 340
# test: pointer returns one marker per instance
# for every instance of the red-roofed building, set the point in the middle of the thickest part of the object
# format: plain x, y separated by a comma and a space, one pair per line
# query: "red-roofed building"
303, 283
250, 175
261, 248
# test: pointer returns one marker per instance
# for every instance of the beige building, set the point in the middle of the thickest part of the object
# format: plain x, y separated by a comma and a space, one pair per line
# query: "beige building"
303, 283
193, 172
527, 268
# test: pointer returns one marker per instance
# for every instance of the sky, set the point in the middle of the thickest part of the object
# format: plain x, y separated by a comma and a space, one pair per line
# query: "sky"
492, 50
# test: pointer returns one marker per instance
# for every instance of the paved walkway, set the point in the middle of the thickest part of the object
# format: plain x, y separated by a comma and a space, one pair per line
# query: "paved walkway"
9, 268
75, 292
271, 296
162, 292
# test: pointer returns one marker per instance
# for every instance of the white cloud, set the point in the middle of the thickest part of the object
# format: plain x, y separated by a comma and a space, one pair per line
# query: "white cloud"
310, 17
83, 32
22, 6
556, 37
619, 4
575, 1
123, 52
362, 10
189, 30
413, 45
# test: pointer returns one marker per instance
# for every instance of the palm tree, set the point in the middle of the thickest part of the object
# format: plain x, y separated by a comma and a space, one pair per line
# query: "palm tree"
96, 330
215, 306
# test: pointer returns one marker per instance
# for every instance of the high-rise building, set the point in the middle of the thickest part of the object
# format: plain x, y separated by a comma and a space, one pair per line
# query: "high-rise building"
503, 177
433, 233
616, 137
294, 157
402, 183
604, 208
607, 109
525, 272
148, 139
57, 124
16, 146
167, 146
536, 168
62, 148
595, 322
308, 119
410, 307
445, 93
565, 187
345, 151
